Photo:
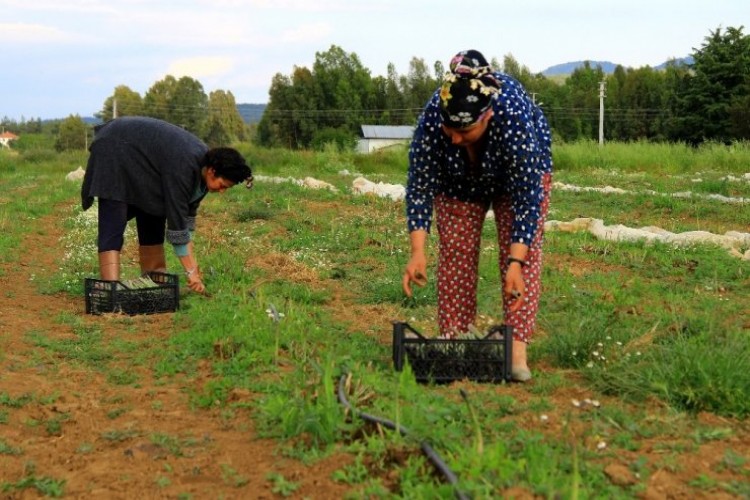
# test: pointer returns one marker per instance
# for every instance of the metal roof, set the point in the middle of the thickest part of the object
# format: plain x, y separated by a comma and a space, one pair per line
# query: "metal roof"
387, 131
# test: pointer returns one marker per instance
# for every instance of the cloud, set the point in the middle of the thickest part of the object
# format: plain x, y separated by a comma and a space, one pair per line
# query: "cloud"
11, 33
75, 6
307, 33
200, 67
303, 5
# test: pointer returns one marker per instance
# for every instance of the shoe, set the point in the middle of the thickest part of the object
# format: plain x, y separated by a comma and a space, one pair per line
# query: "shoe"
520, 374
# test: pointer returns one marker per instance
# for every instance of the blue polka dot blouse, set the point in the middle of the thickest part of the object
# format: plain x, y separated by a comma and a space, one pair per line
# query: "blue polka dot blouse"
517, 155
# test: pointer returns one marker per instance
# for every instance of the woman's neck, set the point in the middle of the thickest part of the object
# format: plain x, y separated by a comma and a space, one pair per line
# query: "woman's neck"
474, 154
475, 150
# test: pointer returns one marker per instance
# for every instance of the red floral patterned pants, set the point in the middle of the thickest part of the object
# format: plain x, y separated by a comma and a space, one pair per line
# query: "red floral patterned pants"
459, 225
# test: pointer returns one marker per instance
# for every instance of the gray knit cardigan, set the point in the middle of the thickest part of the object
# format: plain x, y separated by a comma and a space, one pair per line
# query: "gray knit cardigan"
150, 164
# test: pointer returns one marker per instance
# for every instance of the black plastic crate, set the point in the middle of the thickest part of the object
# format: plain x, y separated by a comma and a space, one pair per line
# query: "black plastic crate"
104, 296
445, 360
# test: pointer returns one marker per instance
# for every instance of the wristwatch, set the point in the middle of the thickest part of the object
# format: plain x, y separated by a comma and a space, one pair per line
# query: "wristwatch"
513, 259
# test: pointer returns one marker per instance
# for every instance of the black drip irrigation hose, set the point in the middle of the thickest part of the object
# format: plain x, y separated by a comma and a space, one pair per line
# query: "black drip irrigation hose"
432, 455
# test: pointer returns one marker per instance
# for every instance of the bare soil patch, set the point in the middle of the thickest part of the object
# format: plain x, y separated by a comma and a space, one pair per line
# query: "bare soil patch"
112, 441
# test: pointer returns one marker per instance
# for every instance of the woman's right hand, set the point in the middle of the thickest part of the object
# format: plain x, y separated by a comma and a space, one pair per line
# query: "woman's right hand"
195, 281
415, 272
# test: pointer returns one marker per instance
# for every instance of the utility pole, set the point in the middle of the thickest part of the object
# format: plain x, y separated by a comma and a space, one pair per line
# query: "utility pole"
114, 107
601, 112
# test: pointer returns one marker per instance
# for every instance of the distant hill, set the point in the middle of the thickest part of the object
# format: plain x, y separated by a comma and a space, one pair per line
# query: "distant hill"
568, 67
607, 66
682, 60
251, 113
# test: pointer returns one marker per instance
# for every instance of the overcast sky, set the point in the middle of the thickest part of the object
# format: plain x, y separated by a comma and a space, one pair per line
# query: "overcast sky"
64, 57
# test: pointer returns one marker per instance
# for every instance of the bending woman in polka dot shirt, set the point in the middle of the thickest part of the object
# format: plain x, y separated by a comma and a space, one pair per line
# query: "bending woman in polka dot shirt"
480, 143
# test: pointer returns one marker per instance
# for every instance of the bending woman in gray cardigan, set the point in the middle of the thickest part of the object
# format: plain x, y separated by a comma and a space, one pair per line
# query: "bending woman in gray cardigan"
157, 173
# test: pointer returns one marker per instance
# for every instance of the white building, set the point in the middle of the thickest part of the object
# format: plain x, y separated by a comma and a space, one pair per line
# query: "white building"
6, 137
376, 137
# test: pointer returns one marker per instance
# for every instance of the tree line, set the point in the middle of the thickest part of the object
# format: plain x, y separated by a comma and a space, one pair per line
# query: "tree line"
706, 100
183, 102
213, 117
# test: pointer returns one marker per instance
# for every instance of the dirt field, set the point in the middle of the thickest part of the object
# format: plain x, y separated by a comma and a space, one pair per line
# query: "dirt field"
99, 456
98, 436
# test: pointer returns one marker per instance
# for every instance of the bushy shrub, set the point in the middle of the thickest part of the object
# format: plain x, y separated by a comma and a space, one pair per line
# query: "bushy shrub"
342, 139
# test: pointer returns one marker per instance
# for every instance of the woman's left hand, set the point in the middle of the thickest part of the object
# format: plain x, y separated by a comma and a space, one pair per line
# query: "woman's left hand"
514, 287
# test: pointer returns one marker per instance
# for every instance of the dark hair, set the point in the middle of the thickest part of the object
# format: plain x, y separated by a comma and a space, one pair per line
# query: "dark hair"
228, 163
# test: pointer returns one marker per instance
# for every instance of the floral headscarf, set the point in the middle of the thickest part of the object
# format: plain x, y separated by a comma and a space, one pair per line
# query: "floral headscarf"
467, 89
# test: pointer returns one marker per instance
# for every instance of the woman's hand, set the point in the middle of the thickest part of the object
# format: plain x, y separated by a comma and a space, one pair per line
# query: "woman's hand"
195, 281
416, 268
415, 272
514, 287
192, 270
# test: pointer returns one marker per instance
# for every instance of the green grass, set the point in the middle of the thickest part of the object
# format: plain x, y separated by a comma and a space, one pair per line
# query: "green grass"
32, 186
45, 486
655, 158
635, 322
8, 449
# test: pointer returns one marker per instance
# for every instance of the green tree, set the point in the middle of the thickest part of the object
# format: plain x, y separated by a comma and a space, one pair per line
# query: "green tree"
127, 101
270, 126
582, 117
224, 125
614, 127
72, 134
337, 96
713, 98
638, 101
189, 106
385, 109
512, 67
676, 77
290, 118
392, 100
33, 126
157, 102
739, 115
419, 84
181, 102
343, 87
